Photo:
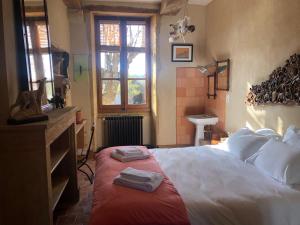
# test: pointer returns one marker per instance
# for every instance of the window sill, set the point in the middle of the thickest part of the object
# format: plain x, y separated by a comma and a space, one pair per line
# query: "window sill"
103, 113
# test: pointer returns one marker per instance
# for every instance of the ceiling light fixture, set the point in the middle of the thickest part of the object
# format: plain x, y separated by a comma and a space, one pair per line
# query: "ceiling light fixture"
182, 26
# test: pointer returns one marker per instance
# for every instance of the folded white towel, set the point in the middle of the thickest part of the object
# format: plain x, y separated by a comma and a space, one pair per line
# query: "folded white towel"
149, 186
138, 175
122, 158
129, 151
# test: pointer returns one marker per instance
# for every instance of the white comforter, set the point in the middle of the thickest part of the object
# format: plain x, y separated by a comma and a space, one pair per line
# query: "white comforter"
218, 189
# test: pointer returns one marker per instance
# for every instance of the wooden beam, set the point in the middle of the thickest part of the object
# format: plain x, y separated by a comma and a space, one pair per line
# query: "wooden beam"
73, 4
122, 9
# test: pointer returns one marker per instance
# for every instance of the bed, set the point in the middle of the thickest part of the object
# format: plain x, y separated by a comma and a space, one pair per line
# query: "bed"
116, 205
216, 189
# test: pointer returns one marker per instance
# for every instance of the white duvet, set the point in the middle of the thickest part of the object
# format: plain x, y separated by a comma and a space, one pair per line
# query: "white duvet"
218, 189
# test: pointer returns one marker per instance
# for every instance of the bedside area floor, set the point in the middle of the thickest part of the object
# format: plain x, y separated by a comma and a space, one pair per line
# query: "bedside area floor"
77, 214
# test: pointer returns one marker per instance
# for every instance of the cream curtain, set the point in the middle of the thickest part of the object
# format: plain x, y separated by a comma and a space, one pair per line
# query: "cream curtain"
172, 7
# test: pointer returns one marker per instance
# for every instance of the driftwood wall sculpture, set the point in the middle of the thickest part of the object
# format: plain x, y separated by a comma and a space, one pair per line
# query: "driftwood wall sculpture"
283, 86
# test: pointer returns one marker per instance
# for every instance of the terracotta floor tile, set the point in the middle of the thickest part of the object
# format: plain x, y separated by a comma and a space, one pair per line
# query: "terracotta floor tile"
79, 213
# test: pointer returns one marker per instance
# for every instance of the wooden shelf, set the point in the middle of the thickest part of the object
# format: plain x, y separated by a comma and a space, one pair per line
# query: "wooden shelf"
79, 126
57, 155
58, 187
52, 147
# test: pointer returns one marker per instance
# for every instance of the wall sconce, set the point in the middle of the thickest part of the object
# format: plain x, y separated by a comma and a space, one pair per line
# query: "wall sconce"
219, 68
205, 69
218, 78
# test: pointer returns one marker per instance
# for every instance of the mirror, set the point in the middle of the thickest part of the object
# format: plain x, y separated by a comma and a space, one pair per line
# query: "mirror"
223, 70
34, 25
211, 93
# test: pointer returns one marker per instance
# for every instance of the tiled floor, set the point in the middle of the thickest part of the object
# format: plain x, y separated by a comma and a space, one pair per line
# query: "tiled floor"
79, 213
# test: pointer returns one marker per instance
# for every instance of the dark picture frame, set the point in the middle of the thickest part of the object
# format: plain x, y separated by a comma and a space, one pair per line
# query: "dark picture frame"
211, 84
222, 75
182, 53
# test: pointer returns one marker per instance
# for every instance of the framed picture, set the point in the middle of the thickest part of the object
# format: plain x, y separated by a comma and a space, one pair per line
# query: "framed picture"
182, 52
81, 67
211, 93
223, 70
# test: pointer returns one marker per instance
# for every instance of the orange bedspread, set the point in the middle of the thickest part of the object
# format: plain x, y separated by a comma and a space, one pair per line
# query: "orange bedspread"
116, 205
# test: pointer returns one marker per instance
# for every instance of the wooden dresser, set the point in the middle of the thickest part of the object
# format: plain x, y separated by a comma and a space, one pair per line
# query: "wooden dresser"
37, 169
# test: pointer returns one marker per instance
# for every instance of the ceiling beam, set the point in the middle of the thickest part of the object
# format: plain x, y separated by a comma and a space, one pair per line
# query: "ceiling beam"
73, 4
132, 9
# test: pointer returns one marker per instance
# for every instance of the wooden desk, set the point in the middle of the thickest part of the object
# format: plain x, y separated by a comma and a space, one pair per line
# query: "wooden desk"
79, 131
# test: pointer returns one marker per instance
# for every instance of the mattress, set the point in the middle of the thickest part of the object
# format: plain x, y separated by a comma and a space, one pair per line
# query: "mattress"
218, 189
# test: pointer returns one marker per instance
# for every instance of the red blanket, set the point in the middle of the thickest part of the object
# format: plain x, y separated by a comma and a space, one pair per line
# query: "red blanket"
116, 205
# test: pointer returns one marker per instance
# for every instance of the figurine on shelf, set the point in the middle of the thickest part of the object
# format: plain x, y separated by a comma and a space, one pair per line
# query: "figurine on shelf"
58, 101
27, 107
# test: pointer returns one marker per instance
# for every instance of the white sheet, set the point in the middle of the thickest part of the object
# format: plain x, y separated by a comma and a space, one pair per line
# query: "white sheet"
218, 189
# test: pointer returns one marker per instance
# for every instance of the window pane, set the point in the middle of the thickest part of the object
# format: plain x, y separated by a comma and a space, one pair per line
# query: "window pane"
32, 68
110, 34
43, 37
46, 65
110, 64
35, 86
49, 90
136, 92
136, 35
111, 92
136, 65
29, 37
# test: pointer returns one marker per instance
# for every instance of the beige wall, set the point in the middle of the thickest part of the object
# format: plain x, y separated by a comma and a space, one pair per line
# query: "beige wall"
82, 42
80, 46
84, 92
59, 24
60, 33
9, 82
59, 30
258, 36
3, 79
166, 74
154, 56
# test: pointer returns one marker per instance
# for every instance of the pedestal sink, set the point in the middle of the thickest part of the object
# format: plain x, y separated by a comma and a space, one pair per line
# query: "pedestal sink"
200, 121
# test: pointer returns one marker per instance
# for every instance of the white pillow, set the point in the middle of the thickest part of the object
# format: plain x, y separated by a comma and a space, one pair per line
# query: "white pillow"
244, 143
268, 132
280, 161
292, 136
242, 131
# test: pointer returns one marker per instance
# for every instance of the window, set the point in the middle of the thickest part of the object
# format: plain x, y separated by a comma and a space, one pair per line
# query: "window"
39, 57
123, 63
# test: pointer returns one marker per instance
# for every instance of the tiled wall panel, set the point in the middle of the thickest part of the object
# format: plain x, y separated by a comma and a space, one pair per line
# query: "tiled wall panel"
190, 99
